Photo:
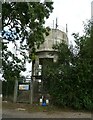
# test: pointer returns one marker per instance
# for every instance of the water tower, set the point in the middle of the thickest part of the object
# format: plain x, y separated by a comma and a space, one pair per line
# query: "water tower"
46, 51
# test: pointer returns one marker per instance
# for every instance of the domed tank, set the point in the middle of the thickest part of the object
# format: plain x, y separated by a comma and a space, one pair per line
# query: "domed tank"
55, 36
46, 51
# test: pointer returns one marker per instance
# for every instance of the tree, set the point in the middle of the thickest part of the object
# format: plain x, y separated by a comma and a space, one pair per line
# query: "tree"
84, 66
23, 22
71, 76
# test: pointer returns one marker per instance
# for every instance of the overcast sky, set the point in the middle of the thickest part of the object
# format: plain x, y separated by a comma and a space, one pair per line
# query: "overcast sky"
72, 13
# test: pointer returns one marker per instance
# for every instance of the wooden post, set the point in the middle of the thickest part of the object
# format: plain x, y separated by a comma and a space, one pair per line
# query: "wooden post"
15, 90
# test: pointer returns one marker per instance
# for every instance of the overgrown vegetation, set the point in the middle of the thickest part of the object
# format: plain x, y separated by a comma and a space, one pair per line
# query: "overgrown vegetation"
70, 80
23, 23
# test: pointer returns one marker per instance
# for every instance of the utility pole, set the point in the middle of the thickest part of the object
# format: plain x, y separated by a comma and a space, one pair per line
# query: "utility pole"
16, 81
32, 84
32, 80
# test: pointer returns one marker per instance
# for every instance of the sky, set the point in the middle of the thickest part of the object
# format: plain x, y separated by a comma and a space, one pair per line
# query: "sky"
70, 12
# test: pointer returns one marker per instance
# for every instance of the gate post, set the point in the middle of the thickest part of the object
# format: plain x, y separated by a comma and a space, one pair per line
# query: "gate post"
15, 91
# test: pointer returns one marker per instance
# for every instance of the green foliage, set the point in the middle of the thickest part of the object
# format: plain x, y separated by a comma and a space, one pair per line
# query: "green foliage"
11, 65
69, 80
23, 22
26, 22
7, 88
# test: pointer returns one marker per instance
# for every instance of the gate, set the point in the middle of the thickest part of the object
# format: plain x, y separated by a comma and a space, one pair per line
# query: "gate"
23, 92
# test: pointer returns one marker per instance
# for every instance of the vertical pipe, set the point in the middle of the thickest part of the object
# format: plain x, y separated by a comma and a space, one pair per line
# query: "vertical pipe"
56, 23
53, 24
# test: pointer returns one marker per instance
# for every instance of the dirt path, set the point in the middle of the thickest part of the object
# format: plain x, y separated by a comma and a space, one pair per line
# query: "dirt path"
19, 110
7, 113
